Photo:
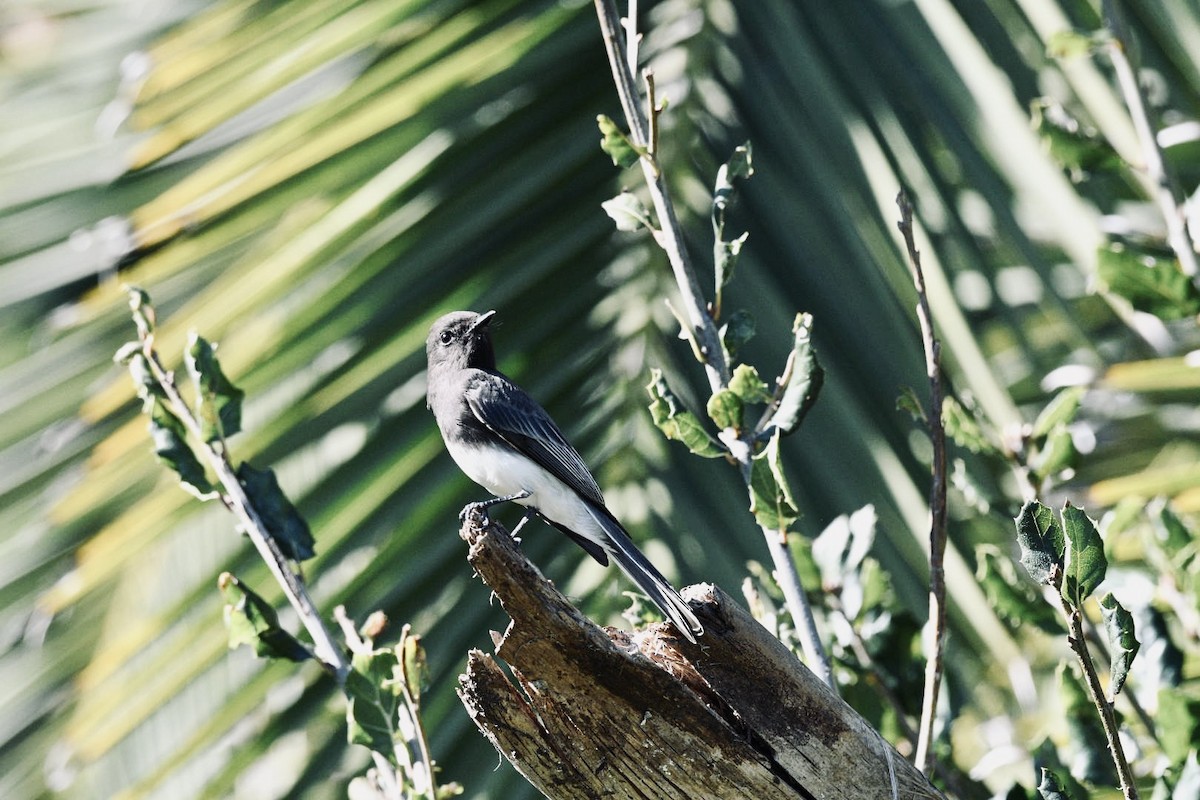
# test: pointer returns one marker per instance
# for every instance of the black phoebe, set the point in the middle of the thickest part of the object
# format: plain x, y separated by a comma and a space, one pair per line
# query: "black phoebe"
507, 443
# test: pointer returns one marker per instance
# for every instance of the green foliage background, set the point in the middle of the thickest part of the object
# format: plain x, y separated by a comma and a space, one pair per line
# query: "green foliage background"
312, 183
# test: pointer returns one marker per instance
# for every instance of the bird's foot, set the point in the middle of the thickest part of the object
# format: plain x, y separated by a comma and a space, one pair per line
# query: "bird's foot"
481, 507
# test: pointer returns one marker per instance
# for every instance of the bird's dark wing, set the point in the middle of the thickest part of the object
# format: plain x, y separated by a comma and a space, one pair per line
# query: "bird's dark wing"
505, 409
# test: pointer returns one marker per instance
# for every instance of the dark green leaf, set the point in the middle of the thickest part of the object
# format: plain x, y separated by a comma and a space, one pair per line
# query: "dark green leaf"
218, 402
628, 212
1172, 534
964, 428
725, 256
1084, 564
1122, 644
1150, 283
251, 620
908, 401
676, 422
746, 384
372, 688
1058, 412
738, 329
172, 448
726, 250
725, 409
1056, 454
1014, 599
1050, 788
614, 142
804, 379
770, 496
284, 524
1178, 721
1041, 540
1077, 148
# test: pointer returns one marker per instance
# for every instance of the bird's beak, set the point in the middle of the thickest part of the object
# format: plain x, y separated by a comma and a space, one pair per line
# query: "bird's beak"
481, 320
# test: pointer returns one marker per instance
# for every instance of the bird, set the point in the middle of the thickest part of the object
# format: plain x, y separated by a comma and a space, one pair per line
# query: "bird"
503, 440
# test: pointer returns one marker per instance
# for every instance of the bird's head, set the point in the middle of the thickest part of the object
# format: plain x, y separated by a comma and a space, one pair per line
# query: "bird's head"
461, 340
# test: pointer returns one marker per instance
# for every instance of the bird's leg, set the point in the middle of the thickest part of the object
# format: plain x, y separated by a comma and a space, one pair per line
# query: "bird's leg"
483, 505
529, 514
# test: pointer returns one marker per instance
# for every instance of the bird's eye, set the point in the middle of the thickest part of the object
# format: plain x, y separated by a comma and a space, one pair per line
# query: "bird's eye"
446, 337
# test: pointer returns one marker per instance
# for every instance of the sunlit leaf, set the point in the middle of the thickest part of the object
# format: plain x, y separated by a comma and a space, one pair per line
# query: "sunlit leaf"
218, 402
676, 422
1084, 562
628, 212
804, 381
616, 143
252, 621
771, 500
1149, 282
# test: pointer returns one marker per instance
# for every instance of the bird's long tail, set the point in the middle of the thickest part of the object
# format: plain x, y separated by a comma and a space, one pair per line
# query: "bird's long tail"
639, 569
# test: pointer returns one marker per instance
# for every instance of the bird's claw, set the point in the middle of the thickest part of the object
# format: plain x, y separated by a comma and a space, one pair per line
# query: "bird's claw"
470, 510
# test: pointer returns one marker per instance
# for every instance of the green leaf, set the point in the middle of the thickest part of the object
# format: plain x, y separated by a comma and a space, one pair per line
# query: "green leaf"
1041, 540
613, 141
1178, 721
738, 329
284, 524
1150, 283
746, 384
415, 666
804, 377
252, 621
1058, 412
1058, 453
676, 422
1122, 644
126, 352
1172, 534
372, 688
725, 409
1077, 148
840, 552
964, 428
771, 500
1013, 599
725, 250
725, 256
172, 448
908, 401
1051, 788
1084, 564
142, 310
628, 212
1073, 44
218, 402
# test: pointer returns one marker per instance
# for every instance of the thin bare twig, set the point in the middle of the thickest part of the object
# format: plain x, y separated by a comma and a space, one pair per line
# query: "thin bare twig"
701, 330
935, 633
1164, 189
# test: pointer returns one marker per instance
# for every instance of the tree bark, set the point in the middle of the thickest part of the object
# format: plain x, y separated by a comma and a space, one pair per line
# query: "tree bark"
594, 713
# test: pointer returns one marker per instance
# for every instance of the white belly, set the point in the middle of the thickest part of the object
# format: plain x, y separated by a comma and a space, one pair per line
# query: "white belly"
508, 472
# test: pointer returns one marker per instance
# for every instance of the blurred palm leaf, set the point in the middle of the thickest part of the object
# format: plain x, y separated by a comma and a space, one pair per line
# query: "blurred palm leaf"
310, 184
